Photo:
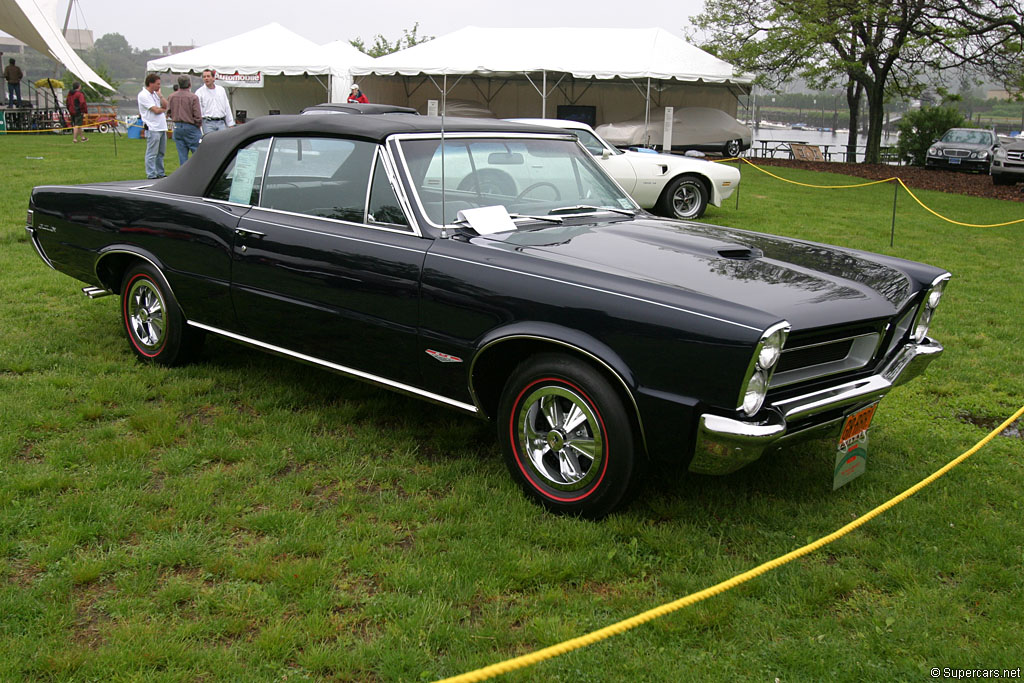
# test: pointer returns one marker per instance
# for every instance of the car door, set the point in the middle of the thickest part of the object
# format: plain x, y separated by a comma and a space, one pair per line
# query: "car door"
615, 164
326, 265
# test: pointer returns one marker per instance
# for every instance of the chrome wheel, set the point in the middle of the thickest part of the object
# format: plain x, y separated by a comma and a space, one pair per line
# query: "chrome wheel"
732, 148
561, 437
685, 199
146, 313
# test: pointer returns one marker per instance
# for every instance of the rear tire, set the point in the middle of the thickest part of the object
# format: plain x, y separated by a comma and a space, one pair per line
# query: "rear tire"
567, 438
732, 148
156, 328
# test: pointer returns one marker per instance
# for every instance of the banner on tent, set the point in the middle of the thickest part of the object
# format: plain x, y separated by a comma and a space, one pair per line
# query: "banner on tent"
237, 80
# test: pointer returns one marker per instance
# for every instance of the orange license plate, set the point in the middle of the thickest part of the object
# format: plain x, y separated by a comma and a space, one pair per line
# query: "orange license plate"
857, 424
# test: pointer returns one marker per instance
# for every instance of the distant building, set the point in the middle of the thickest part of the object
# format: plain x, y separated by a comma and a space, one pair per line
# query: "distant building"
9, 44
168, 49
997, 95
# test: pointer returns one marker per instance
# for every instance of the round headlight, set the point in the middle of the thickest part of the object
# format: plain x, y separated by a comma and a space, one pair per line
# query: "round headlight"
980, 155
771, 351
934, 152
756, 390
923, 322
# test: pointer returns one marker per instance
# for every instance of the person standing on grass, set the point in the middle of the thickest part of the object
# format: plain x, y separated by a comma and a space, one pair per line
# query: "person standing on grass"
183, 108
78, 109
152, 108
13, 76
213, 100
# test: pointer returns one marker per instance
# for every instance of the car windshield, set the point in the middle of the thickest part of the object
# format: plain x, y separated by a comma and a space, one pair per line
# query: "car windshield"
969, 137
528, 176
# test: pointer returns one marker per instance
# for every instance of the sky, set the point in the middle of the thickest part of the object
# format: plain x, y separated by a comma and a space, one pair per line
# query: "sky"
184, 22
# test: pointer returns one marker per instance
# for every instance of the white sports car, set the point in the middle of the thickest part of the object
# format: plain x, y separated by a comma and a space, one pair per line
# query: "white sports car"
666, 184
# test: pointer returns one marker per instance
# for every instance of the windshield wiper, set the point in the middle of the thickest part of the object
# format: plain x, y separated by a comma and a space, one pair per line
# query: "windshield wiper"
520, 216
585, 207
462, 222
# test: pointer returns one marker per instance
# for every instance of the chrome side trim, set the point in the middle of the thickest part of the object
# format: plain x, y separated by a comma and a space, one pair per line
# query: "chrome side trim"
351, 372
95, 268
597, 289
588, 354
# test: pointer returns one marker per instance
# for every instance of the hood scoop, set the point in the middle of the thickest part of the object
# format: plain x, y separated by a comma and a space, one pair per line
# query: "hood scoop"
739, 253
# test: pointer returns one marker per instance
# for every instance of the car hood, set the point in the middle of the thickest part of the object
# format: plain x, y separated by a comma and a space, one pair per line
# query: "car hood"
962, 145
733, 274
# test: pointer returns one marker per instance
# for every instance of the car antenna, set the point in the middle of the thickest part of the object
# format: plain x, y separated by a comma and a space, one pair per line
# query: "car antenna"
444, 93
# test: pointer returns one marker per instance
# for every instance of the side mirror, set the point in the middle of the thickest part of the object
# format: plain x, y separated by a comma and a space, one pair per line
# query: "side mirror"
605, 154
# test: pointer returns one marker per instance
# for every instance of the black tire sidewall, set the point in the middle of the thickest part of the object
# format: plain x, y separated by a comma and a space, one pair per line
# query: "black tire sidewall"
172, 351
619, 459
668, 206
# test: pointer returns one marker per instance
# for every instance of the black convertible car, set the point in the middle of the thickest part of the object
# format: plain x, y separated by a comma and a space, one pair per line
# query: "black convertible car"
496, 269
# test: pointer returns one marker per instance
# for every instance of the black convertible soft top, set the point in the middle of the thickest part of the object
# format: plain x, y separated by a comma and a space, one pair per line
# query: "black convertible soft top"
195, 176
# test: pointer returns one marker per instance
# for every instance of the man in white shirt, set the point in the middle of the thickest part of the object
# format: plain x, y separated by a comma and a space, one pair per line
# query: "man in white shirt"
213, 102
152, 109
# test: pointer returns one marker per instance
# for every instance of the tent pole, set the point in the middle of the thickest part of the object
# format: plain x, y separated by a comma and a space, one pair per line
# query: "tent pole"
544, 95
647, 113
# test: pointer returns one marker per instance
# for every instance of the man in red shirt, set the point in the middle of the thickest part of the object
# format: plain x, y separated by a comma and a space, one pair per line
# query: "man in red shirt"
357, 95
78, 109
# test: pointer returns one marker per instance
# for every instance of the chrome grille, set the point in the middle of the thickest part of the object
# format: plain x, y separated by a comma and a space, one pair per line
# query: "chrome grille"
813, 358
1014, 156
957, 152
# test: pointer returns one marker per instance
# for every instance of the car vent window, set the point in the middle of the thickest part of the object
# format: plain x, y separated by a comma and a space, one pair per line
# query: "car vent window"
324, 177
384, 208
241, 180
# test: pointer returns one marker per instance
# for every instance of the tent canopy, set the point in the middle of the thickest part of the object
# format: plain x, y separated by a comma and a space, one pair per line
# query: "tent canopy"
603, 53
32, 22
271, 49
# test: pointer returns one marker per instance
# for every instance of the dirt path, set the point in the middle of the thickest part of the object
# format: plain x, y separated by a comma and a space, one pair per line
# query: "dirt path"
973, 184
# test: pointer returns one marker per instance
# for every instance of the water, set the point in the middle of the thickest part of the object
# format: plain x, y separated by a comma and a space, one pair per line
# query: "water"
833, 143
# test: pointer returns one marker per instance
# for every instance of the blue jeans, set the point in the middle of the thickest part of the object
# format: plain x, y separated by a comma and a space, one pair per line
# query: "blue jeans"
156, 145
13, 91
186, 138
210, 126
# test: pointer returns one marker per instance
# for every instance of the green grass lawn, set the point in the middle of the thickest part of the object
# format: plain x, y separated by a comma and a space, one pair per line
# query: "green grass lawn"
249, 518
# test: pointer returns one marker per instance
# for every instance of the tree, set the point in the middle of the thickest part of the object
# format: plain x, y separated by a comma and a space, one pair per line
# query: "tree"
878, 47
113, 43
920, 128
382, 46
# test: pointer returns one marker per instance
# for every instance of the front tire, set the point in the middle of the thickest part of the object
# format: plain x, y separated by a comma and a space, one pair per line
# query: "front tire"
567, 438
156, 328
685, 198
732, 148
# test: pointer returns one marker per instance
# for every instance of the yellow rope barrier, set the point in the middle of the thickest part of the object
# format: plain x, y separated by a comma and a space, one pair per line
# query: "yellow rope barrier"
631, 623
877, 182
57, 130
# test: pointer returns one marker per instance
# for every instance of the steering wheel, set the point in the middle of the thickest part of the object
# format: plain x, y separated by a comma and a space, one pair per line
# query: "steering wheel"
535, 186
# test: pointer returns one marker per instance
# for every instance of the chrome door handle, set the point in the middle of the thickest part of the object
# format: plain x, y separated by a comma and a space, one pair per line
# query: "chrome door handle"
242, 232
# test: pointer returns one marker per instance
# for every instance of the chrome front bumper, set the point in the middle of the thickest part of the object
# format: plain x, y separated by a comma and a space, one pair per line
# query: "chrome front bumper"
725, 444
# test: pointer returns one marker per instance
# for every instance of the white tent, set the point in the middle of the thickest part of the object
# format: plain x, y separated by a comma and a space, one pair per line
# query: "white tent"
292, 72
523, 72
32, 22
343, 56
